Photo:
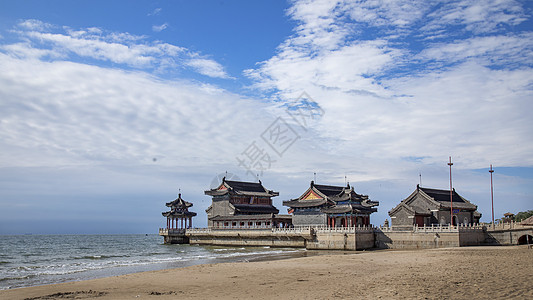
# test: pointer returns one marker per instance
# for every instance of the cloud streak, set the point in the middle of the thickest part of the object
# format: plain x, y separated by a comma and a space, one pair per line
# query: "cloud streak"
387, 87
43, 40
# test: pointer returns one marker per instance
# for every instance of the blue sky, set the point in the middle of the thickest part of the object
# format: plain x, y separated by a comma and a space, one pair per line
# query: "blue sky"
109, 107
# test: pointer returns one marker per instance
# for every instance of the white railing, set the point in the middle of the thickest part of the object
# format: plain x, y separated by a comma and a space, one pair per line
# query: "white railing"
352, 229
293, 230
505, 225
433, 228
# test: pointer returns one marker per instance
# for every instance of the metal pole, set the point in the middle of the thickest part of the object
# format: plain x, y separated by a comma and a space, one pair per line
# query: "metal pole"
492, 195
451, 193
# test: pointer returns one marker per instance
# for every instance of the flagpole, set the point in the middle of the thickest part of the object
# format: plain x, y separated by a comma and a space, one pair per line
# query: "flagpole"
492, 195
451, 193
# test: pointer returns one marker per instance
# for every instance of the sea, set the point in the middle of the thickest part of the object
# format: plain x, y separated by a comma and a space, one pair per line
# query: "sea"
30, 260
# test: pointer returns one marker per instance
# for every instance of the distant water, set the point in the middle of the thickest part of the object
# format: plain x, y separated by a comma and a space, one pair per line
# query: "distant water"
29, 260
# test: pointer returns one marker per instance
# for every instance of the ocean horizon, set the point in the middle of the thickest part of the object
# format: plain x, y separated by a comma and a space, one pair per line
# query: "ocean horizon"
31, 260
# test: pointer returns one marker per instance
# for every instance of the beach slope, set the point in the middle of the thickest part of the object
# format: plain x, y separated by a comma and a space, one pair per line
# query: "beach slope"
453, 273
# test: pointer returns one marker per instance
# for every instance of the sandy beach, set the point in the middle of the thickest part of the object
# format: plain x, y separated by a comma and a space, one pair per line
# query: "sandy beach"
452, 273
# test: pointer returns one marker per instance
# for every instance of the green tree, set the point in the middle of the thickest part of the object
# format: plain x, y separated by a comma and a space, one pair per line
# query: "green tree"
523, 215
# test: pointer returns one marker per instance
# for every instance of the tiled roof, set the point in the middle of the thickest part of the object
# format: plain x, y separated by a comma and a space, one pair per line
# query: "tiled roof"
241, 188
179, 203
442, 195
255, 209
179, 214
329, 190
246, 186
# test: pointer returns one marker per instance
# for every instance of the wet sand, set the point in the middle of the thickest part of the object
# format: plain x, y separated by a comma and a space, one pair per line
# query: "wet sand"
452, 273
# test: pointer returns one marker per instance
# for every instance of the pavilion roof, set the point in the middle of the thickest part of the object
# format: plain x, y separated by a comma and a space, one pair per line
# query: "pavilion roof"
177, 213
329, 195
179, 203
241, 188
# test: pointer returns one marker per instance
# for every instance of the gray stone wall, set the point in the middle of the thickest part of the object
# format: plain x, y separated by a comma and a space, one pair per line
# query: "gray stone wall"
315, 219
401, 218
422, 203
462, 216
220, 208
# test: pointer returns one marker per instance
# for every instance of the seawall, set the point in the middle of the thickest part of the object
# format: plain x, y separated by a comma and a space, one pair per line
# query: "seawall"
354, 238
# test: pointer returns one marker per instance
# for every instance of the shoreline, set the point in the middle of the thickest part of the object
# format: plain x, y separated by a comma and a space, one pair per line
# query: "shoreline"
459, 273
251, 254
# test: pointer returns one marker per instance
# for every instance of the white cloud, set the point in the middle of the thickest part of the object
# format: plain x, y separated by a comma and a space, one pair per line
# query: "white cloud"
508, 50
386, 101
32, 24
116, 47
207, 67
64, 113
392, 109
159, 28
155, 12
477, 16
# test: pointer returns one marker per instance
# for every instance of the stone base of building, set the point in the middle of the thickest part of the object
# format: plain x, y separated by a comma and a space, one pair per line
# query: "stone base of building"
174, 236
354, 238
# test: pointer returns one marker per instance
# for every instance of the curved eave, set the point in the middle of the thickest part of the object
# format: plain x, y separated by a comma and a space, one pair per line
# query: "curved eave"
216, 192
171, 214
296, 203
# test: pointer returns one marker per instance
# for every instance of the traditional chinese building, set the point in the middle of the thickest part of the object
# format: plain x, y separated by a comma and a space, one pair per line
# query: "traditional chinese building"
333, 206
179, 216
238, 204
426, 207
